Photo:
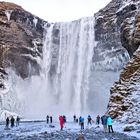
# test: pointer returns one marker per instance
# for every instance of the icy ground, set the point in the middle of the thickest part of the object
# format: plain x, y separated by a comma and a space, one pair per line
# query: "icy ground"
42, 131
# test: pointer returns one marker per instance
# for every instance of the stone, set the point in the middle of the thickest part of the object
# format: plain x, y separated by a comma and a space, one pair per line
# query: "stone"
80, 138
128, 128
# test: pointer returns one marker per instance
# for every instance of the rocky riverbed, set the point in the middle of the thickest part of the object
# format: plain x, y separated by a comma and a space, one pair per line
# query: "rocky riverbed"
85, 135
42, 131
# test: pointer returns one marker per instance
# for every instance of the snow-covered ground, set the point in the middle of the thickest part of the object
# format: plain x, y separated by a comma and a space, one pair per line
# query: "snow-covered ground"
39, 130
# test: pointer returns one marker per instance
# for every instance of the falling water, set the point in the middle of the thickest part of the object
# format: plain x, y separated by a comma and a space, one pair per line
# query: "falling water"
68, 76
70, 81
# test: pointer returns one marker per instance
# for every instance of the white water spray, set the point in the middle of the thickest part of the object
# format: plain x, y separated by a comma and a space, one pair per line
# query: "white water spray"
69, 81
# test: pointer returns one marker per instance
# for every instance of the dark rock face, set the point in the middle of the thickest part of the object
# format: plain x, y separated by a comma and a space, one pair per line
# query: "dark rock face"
3, 77
21, 35
129, 30
124, 101
108, 36
114, 25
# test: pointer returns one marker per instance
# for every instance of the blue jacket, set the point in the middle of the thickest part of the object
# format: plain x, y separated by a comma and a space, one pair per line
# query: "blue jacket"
82, 120
109, 121
104, 120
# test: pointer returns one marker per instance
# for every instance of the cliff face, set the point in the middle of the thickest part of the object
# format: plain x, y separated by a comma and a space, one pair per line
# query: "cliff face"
115, 24
125, 100
108, 36
125, 97
21, 35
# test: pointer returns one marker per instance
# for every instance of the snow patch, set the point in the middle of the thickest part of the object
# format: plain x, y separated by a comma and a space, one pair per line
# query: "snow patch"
35, 20
8, 14
4, 114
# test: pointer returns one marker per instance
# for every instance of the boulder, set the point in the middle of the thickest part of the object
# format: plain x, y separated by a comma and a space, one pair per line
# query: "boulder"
80, 138
129, 128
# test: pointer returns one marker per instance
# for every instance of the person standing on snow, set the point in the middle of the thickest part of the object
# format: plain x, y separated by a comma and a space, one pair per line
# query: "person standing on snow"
104, 122
89, 120
7, 122
82, 122
109, 123
74, 118
64, 119
17, 121
51, 119
47, 119
61, 121
12, 122
98, 120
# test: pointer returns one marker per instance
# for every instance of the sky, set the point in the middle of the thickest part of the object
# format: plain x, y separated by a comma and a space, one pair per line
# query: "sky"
61, 10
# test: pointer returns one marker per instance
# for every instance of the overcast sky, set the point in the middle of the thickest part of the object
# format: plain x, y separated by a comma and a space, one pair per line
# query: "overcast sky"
61, 10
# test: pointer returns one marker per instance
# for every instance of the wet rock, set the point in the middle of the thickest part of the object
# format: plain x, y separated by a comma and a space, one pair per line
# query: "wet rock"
45, 132
108, 37
129, 128
51, 126
68, 135
80, 138
124, 101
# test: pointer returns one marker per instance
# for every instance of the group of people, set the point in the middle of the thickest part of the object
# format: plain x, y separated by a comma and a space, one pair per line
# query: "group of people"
49, 119
10, 121
107, 123
105, 120
81, 120
62, 121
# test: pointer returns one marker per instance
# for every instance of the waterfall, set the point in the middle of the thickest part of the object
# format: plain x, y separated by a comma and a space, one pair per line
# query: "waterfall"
75, 78
68, 76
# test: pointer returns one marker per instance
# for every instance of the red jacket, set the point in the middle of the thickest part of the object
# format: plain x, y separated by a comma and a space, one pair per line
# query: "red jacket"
61, 121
